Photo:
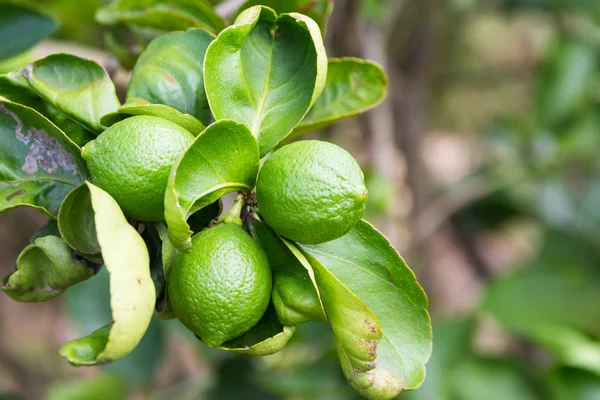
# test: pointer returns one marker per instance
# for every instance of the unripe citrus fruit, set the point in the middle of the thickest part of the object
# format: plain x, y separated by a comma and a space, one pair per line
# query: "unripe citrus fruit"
132, 160
311, 192
222, 287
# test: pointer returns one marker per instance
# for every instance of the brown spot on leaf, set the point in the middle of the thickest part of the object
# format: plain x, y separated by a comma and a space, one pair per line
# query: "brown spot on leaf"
170, 78
138, 99
370, 325
16, 193
139, 281
370, 346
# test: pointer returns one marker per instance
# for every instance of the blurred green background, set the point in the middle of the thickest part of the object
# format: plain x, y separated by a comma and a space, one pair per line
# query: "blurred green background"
483, 170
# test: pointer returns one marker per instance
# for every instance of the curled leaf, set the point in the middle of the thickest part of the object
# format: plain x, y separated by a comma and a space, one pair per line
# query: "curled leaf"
266, 71
377, 310
79, 88
131, 288
222, 159
76, 221
44, 270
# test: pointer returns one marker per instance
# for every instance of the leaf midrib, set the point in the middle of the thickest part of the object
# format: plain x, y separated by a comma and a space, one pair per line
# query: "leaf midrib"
257, 120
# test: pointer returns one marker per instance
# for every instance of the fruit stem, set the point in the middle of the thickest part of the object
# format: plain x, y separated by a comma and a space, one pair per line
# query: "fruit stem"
233, 217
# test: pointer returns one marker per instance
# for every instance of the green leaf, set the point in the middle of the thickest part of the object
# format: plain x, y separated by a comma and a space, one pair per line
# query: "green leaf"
268, 336
377, 311
79, 88
318, 10
39, 165
22, 27
295, 296
222, 159
132, 291
266, 71
45, 270
156, 110
105, 386
353, 86
76, 221
171, 71
165, 15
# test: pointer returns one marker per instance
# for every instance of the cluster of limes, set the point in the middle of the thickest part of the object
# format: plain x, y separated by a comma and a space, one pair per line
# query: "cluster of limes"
308, 192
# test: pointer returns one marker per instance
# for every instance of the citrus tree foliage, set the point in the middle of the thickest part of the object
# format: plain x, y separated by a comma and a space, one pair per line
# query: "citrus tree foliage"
242, 91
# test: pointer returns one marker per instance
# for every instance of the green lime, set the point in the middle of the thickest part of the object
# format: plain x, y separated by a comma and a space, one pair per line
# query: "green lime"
222, 287
311, 192
132, 161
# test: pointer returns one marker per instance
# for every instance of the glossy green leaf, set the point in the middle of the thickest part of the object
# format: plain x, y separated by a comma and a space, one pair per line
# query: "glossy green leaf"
377, 310
22, 27
156, 110
171, 72
105, 386
353, 86
165, 15
223, 159
318, 10
268, 336
132, 291
266, 71
45, 270
88, 306
295, 297
79, 88
39, 165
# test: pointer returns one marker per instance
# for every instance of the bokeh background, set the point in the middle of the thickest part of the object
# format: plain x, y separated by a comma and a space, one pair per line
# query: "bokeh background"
483, 170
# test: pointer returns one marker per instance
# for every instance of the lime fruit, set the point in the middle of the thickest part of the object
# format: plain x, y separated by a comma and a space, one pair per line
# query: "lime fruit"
311, 192
222, 287
132, 161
